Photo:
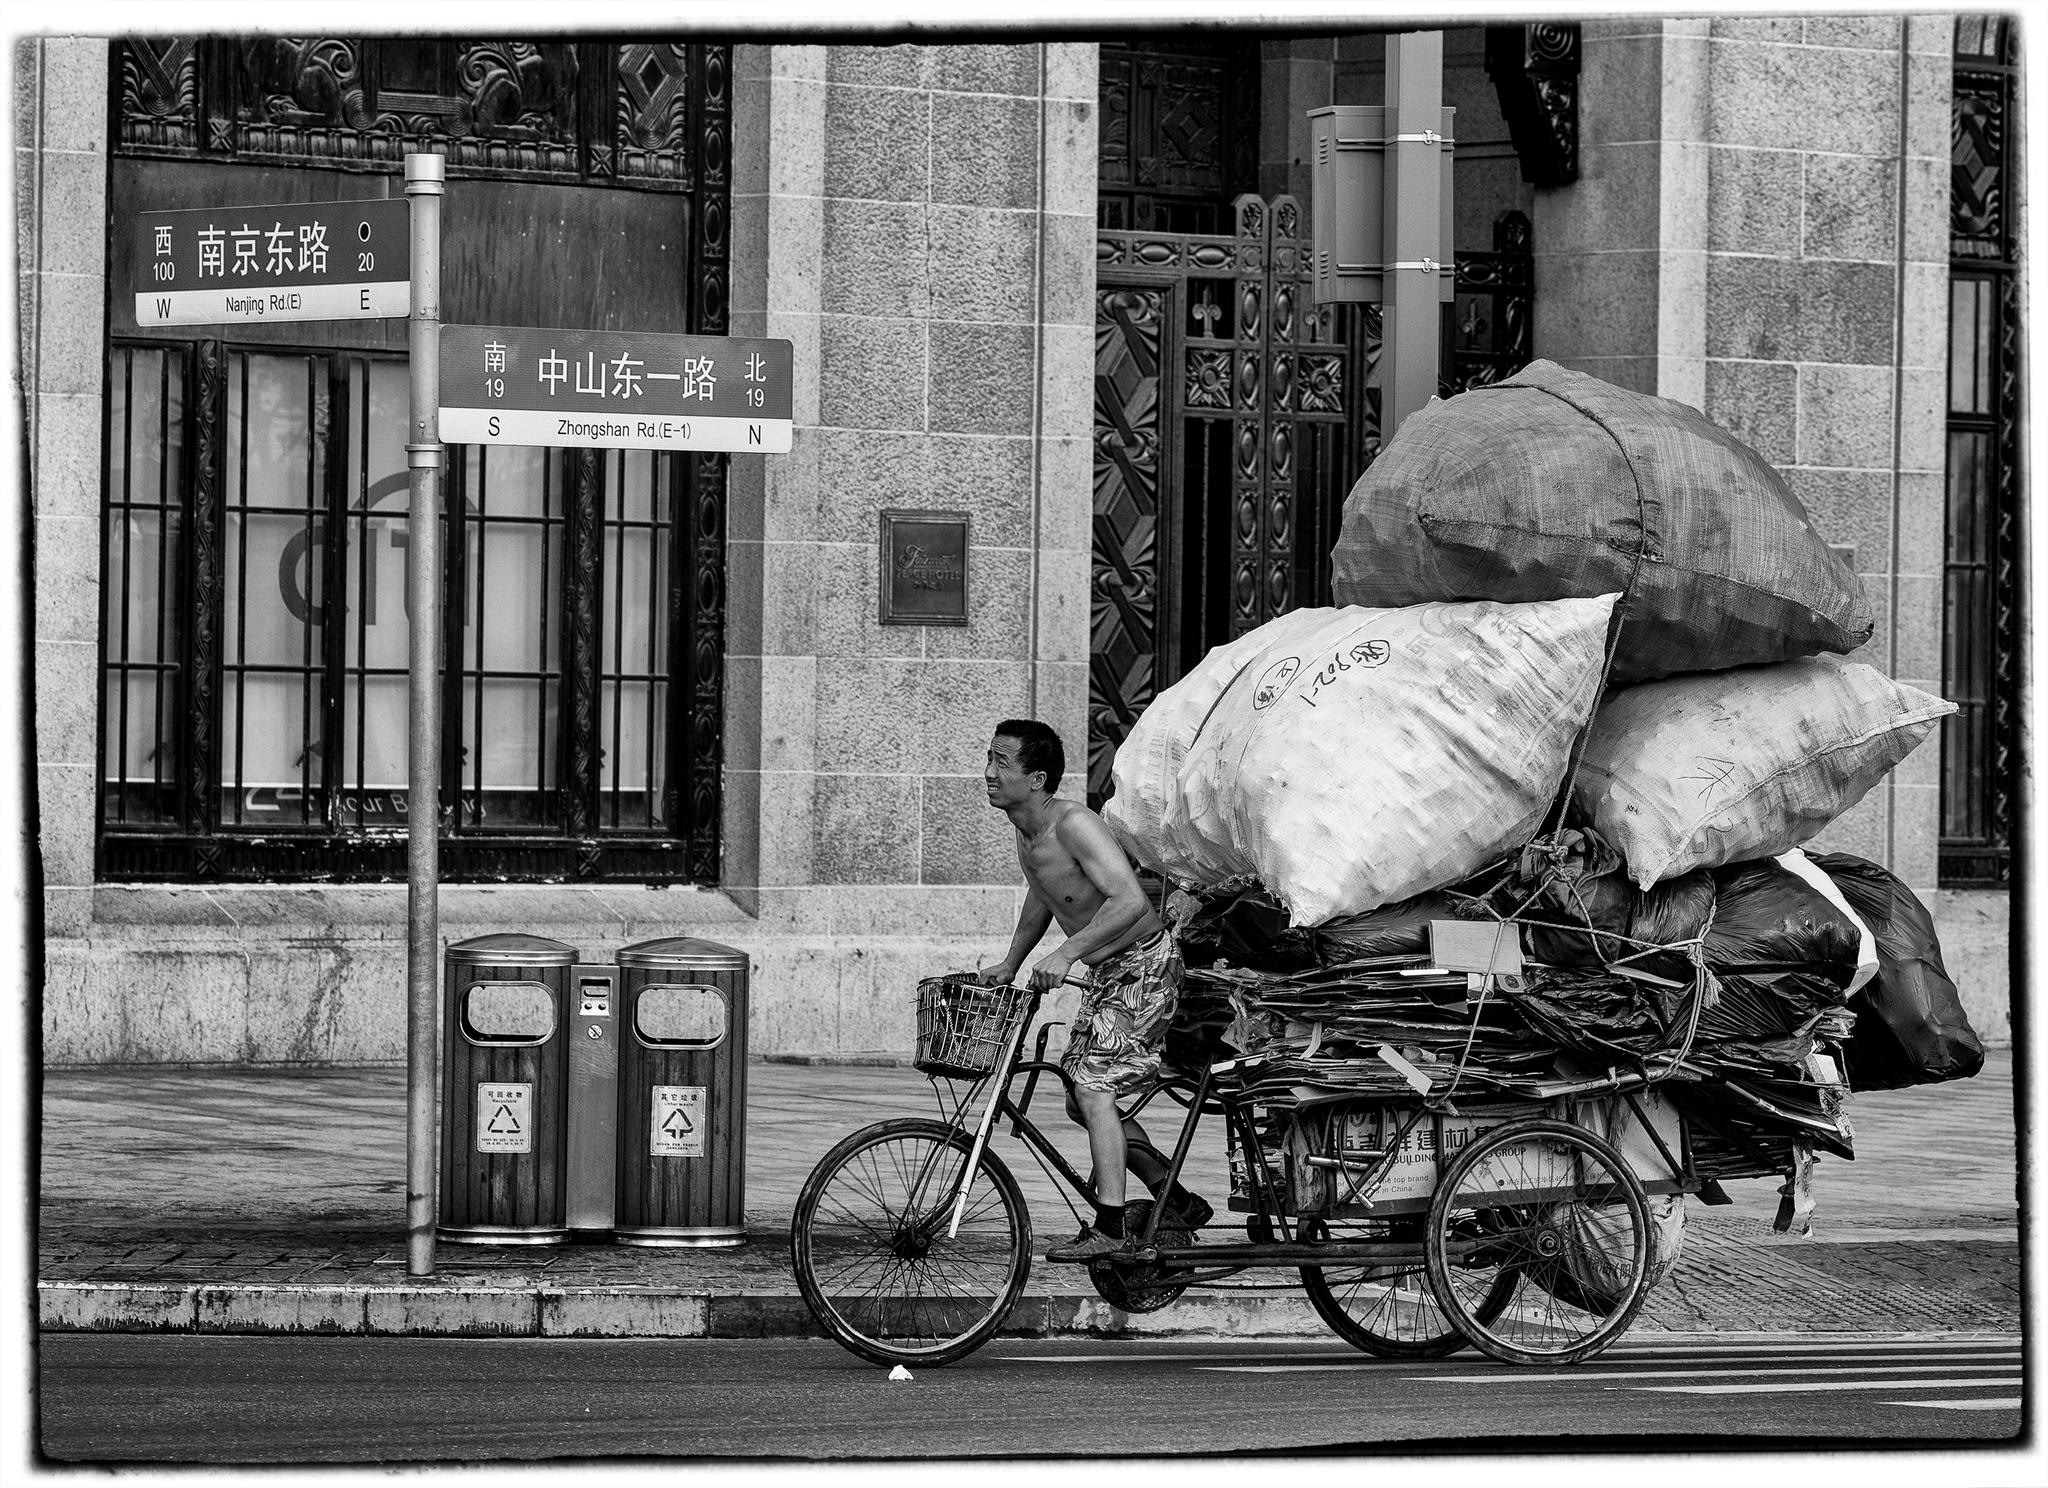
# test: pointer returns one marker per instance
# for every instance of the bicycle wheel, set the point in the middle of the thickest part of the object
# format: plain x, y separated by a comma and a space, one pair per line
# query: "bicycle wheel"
1390, 1310
872, 1258
1559, 1206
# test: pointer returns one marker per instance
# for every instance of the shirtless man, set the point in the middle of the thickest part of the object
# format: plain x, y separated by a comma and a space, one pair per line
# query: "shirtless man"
1078, 875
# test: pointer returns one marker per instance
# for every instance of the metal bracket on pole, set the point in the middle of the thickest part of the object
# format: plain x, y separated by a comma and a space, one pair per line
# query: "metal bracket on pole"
424, 178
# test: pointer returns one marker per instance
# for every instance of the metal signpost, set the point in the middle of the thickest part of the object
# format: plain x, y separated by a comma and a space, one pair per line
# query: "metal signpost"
424, 178
616, 389
381, 259
346, 260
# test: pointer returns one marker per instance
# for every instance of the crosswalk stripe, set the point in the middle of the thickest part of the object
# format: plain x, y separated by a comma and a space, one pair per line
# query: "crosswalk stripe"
2010, 1402
1458, 1377
1790, 1387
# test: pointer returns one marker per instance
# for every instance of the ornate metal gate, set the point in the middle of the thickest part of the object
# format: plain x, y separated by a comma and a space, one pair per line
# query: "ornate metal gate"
1230, 419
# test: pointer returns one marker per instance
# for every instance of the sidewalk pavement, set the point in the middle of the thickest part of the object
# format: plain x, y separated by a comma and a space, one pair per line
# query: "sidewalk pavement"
266, 1200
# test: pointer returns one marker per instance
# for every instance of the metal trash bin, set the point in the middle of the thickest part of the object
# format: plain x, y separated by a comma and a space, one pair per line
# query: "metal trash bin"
682, 1094
505, 1091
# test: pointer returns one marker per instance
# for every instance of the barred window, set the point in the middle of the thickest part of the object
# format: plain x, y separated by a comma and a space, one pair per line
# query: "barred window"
1981, 610
257, 623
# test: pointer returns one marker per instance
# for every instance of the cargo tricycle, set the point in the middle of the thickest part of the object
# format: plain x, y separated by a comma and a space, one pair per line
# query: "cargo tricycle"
1528, 1227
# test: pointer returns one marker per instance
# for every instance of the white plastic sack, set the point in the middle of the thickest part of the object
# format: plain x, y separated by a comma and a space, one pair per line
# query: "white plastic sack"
1146, 804
1721, 767
1353, 757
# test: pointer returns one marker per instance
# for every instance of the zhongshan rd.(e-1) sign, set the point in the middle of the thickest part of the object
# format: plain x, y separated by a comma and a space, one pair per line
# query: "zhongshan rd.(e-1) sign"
344, 260
614, 389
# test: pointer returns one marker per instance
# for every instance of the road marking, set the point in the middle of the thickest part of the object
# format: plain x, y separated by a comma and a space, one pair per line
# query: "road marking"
1787, 1371
1117, 1358
1817, 1345
1459, 1378
1789, 1388
2011, 1402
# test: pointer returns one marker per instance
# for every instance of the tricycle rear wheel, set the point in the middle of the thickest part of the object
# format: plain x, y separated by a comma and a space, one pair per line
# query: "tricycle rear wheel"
1558, 1207
1390, 1310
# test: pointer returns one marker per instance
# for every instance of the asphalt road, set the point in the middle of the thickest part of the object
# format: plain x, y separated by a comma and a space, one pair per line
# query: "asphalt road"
221, 1399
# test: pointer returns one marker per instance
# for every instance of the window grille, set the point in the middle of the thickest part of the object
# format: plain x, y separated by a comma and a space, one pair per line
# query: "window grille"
561, 759
1980, 620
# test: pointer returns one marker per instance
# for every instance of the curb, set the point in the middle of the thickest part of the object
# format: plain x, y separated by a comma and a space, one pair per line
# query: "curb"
584, 1312
658, 1312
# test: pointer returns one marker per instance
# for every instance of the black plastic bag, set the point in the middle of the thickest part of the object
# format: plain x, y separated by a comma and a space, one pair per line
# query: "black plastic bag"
1248, 929
1910, 1025
1767, 918
1400, 929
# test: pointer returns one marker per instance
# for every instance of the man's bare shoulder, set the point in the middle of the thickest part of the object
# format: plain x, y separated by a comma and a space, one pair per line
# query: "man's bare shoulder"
1075, 826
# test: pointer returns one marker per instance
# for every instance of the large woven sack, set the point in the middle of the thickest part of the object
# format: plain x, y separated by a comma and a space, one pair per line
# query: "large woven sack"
1352, 757
1545, 486
1721, 767
1145, 804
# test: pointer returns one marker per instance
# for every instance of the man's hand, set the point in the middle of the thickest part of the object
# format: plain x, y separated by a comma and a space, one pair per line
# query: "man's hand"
1001, 972
1051, 970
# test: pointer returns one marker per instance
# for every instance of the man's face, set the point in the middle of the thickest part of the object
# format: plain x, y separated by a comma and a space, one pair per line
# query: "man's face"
1008, 782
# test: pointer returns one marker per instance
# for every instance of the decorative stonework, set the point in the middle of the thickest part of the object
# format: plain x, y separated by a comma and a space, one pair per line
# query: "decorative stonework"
159, 95
1535, 72
642, 114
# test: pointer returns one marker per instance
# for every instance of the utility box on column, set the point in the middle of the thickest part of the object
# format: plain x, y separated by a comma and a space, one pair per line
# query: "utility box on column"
1347, 203
682, 1094
505, 1091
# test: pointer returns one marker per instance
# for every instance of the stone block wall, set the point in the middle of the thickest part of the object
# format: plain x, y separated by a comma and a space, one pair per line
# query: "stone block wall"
60, 172
919, 223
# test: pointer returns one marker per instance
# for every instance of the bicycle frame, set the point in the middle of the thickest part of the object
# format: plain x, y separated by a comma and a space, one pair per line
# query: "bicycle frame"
1216, 1259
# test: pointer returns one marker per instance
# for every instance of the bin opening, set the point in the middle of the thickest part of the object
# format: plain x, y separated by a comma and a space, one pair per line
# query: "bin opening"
508, 1013
685, 1017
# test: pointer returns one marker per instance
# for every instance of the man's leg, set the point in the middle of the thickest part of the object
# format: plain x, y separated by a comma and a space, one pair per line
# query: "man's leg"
1106, 1145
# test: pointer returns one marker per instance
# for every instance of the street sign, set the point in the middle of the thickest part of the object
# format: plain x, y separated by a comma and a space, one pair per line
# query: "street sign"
614, 389
346, 260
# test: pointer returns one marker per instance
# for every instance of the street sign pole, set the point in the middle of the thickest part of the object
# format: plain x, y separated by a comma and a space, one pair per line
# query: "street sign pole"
425, 175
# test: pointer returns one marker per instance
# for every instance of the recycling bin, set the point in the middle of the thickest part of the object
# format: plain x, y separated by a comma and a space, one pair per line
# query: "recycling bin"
682, 1133
504, 1091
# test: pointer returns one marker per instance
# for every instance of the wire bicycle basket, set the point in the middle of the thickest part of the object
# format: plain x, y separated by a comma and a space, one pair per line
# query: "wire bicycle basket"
962, 1025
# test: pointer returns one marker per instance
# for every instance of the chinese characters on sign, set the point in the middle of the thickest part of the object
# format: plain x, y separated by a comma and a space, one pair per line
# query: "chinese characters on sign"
924, 568
347, 260
614, 389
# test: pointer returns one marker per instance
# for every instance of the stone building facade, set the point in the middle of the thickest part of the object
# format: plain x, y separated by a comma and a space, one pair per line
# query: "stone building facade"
1758, 224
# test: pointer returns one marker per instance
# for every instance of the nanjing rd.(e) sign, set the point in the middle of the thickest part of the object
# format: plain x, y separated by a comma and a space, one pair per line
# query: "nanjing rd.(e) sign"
345, 260
615, 389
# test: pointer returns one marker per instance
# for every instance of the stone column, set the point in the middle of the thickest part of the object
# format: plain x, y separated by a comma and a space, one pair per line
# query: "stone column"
60, 166
1620, 257
919, 220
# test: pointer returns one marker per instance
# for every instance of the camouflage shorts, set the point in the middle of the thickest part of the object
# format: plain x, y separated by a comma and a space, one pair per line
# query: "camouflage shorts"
1121, 1026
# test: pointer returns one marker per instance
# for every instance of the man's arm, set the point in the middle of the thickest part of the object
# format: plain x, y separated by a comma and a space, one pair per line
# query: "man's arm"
1124, 904
1033, 920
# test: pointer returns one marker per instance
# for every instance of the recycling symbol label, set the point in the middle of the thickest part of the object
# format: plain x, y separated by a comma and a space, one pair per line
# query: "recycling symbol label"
504, 1118
676, 1121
